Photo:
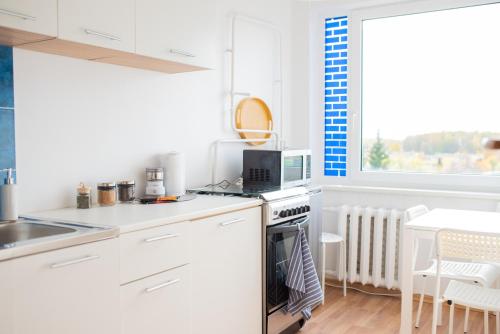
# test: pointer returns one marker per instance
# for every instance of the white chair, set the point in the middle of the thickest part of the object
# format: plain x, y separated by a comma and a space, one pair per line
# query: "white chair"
478, 248
330, 238
482, 273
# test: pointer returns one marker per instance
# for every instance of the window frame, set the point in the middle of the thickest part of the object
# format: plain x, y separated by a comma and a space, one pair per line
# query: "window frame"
355, 175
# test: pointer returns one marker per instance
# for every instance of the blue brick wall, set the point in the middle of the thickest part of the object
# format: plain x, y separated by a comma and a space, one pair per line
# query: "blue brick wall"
7, 125
336, 96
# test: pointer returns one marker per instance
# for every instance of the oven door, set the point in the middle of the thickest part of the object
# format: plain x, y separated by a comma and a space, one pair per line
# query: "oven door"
280, 239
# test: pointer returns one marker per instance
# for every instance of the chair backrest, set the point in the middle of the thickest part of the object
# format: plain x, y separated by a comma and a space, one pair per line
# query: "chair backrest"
415, 212
473, 246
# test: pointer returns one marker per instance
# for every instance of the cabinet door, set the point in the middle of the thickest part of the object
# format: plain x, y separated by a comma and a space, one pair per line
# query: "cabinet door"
227, 277
158, 304
109, 24
73, 290
6, 297
179, 30
38, 16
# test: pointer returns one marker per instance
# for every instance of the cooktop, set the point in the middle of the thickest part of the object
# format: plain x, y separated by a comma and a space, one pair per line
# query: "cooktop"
238, 190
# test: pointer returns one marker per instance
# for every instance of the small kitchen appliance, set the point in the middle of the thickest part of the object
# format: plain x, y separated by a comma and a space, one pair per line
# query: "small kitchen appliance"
154, 182
266, 169
175, 174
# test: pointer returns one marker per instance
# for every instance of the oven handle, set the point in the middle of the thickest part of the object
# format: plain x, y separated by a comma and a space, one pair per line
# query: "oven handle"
289, 227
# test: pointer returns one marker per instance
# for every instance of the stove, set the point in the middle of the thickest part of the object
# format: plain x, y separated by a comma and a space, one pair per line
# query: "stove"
283, 211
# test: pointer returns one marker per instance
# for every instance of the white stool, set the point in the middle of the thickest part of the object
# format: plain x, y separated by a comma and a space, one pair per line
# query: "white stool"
330, 238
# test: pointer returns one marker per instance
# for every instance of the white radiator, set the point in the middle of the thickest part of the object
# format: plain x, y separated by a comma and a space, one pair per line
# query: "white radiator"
372, 239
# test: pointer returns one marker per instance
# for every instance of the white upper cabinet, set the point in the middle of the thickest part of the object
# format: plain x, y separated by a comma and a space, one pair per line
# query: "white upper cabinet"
105, 23
178, 30
38, 16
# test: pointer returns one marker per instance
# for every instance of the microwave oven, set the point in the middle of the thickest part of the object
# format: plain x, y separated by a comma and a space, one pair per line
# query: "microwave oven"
267, 169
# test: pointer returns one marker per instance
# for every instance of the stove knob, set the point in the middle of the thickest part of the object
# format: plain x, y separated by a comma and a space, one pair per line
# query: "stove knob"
294, 211
282, 213
288, 212
308, 208
302, 209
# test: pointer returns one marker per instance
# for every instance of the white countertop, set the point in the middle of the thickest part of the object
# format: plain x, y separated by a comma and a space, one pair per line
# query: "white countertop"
133, 217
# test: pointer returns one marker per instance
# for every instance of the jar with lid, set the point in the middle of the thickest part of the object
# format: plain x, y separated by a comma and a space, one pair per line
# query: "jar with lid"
106, 193
83, 197
126, 191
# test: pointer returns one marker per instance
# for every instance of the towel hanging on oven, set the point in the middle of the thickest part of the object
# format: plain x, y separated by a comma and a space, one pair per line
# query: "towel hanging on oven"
302, 280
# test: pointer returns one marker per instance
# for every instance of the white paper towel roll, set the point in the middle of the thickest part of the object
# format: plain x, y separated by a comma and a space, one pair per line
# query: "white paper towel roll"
174, 164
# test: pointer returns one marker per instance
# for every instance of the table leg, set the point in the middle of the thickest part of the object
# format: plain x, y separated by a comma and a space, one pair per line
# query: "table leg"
408, 254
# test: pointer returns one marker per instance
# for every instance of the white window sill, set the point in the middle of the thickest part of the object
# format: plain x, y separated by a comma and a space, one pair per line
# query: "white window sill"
413, 192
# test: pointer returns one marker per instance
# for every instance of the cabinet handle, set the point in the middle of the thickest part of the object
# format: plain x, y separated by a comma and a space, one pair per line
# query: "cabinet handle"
230, 222
182, 53
102, 34
19, 15
161, 237
162, 285
68, 263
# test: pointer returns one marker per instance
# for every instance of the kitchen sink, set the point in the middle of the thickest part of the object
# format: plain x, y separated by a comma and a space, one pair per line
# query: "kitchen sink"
13, 233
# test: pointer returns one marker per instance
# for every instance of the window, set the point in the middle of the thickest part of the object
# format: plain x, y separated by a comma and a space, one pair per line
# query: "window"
336, 96
429, 92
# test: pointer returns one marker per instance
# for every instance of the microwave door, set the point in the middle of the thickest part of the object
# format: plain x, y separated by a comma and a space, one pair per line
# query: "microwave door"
293, 169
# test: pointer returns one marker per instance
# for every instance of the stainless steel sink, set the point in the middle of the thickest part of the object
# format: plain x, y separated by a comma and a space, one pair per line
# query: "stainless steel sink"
29, 236
13, 233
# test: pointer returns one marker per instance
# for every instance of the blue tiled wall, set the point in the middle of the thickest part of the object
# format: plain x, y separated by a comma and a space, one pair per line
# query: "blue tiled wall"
336, 96
7, 125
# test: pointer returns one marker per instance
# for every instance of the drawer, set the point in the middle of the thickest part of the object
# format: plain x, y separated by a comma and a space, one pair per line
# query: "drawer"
227, 220
147, 252
158, 304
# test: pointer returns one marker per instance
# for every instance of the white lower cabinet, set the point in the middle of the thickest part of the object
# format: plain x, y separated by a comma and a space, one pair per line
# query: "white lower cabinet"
73, 290
197, 277
6, 297
227, 267
158, 304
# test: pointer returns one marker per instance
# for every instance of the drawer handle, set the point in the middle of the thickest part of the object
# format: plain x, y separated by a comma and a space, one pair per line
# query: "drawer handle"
69, 263
102, 34
19, 15
230, 222
162, 285
162, 237
182, 53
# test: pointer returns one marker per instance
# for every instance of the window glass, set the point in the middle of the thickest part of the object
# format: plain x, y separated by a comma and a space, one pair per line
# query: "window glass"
430, 84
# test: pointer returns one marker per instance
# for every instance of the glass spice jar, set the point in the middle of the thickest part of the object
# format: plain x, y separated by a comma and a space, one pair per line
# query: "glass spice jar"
106, 193
126, 191
83, 198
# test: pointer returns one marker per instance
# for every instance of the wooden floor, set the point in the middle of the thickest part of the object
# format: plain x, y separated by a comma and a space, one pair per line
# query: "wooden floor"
360, 313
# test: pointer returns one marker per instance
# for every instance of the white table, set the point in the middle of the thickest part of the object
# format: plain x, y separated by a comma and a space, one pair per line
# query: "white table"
424, 227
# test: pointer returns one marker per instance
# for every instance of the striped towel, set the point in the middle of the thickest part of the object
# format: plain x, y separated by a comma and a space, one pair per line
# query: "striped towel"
302, 280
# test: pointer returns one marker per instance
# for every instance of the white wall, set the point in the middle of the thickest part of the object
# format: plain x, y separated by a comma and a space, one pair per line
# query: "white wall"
78, 120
